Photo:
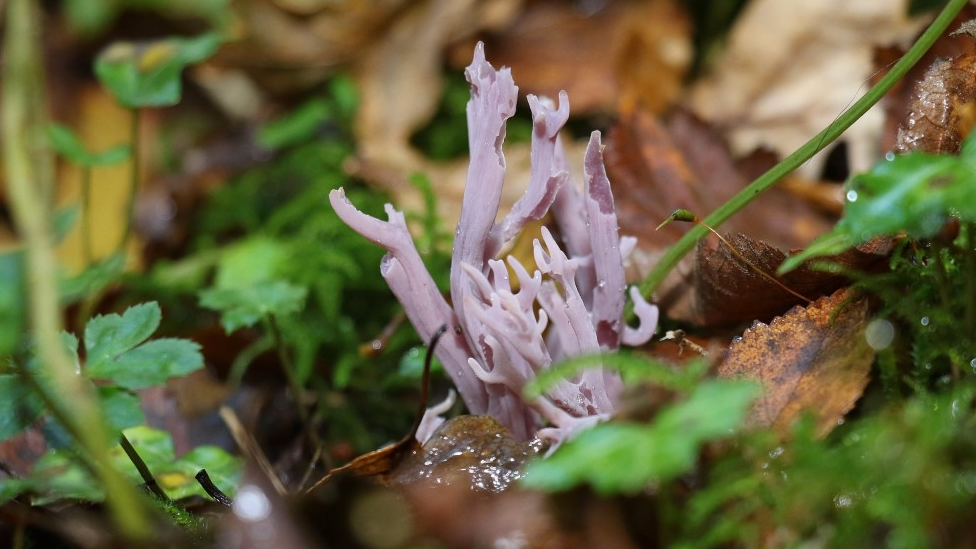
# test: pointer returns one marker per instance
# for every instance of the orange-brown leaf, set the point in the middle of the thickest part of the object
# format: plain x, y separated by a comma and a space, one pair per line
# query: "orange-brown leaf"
812, 359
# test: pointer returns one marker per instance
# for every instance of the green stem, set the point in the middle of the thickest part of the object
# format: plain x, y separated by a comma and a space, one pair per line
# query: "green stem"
134, 133
24, 161
674, 254
296, 388
86, 243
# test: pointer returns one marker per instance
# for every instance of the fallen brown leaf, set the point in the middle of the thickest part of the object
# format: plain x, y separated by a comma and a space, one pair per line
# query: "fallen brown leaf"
791, 67
812, 359
729, 291
617, 53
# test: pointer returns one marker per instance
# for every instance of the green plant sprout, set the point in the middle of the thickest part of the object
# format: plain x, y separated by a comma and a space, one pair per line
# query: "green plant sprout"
67, 144
148, 75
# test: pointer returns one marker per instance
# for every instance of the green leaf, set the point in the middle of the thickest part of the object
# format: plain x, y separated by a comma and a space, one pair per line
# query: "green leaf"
300, 125
19, 406
67, 144
626, 457
245, 306
179, 478
116, 350
108, 337
151, 363
121, 408
13, 303
249, 262
94, 278
148, 74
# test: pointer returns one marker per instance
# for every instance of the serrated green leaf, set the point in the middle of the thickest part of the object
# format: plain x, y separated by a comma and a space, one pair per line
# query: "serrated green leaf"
151, 363
245, 306
626, 457
149, 74
108, 337
19, 406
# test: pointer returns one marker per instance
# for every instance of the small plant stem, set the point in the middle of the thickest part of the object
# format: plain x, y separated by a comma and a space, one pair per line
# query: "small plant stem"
296, 388
144, 472
23, 161
674, 254
134, 176
86, 243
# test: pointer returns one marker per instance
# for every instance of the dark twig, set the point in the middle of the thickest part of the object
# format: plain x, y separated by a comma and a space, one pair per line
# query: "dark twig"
216, 493
144, 472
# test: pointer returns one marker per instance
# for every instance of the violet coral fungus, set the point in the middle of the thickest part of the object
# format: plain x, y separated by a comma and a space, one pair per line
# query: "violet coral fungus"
503, 340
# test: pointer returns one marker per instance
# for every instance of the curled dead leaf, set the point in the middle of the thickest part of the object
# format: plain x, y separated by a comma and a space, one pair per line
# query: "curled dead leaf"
813, 358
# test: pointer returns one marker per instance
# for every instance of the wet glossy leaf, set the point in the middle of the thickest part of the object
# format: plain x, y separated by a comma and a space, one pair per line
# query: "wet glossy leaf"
149, 74
626, 457
813, 358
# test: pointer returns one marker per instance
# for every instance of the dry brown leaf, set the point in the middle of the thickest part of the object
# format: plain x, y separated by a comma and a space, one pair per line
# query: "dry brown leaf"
792, 67
730, 291
812, 359
657, 167
619, 53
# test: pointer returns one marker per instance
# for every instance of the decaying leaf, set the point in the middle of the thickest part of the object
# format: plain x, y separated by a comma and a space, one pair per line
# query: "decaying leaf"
812, 359
657, 167
942, 110
792, 67
728, 291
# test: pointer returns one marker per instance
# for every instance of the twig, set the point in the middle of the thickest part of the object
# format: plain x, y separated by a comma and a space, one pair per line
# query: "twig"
144, 472
251, 449
211, 489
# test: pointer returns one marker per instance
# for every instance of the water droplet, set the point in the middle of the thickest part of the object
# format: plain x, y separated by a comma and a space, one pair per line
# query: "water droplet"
602, 284
776, 452
879, 334
843, 501
376, 344
852, 195
889, 156
924, 321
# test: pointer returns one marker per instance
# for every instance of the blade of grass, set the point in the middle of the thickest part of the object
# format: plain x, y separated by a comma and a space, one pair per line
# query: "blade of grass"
674, 254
